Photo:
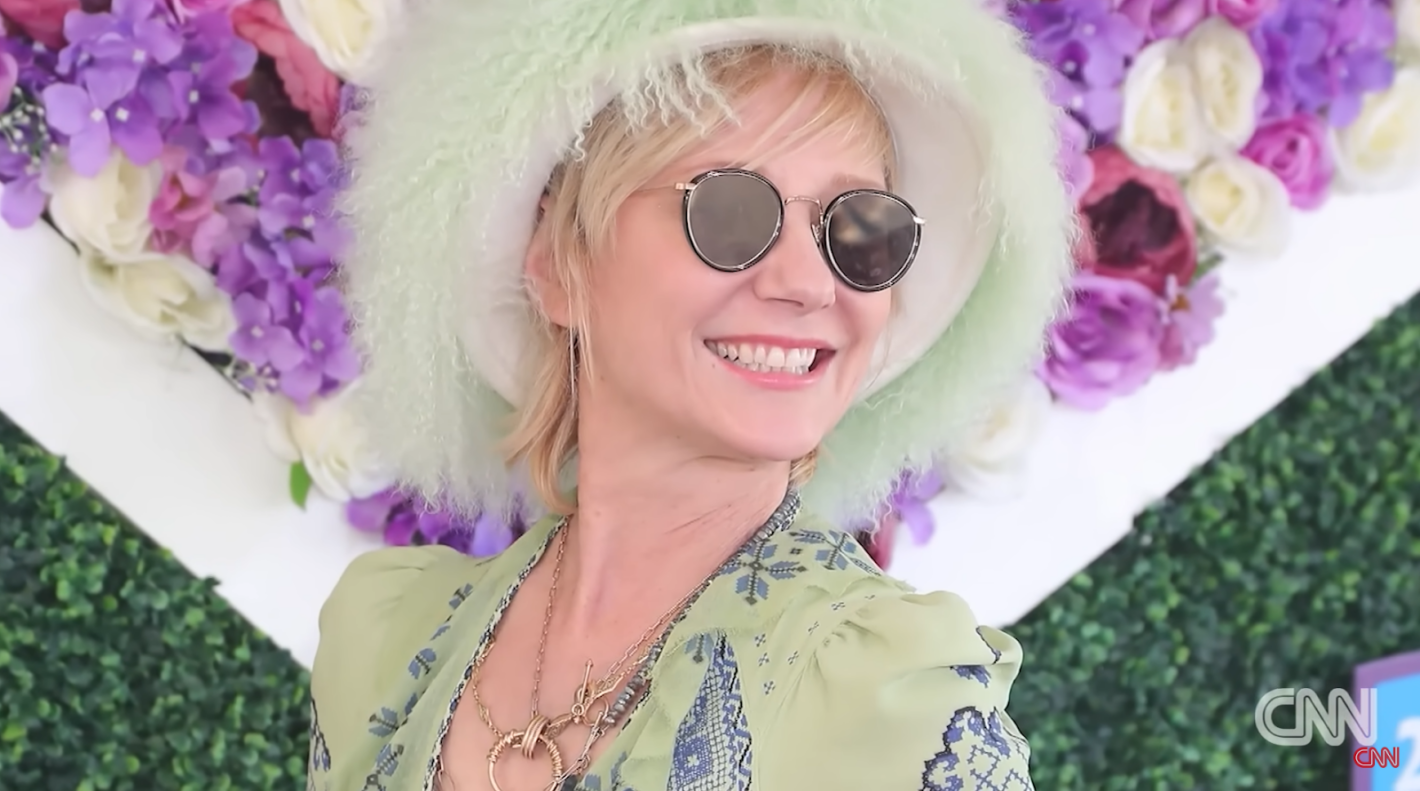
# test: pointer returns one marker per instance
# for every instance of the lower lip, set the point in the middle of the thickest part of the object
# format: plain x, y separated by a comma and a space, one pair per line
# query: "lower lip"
778, 380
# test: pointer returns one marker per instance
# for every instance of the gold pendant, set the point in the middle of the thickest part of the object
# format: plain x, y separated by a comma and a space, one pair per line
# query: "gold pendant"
526, 741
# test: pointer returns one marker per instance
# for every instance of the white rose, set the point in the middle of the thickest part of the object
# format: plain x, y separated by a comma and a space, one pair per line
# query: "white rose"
1186, 101
1407, 27
163, 296
1242, 206
1228, 76
1381, 149
328, 439
1163, 125
991, 463
345, 34
108, 212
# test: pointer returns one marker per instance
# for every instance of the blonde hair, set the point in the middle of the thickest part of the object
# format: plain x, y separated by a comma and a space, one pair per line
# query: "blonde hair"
620, 150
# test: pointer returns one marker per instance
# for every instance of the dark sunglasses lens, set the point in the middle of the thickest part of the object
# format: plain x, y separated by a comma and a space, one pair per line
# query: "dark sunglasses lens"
732, 219
872, 239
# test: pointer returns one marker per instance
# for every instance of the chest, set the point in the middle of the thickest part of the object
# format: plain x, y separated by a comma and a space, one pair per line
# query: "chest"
536, 709
701, 711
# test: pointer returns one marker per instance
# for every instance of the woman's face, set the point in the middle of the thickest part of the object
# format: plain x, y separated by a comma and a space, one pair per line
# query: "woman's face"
664, 322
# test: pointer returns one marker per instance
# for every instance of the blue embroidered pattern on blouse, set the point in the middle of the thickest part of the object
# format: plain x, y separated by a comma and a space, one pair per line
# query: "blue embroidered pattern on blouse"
975, 673
759, 563
978, 753
615, 782
836, 550
712, 747
385, 763
320, 751
386, 721
995, 654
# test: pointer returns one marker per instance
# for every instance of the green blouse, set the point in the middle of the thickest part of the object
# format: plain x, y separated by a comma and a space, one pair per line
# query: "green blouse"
799, 666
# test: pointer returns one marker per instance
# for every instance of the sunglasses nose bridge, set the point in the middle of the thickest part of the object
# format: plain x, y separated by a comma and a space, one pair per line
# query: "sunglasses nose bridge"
817, 224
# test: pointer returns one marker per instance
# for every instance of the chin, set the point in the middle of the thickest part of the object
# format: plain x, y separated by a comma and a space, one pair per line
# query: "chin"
764, 440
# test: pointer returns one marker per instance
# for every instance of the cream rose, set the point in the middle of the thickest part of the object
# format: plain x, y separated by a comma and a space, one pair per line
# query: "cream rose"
1242, 206
1407, 28
1163, 125
1380, 150
990, 464
109, 212
1228, 77
1185, 101
345, 34
329, 440
163, 296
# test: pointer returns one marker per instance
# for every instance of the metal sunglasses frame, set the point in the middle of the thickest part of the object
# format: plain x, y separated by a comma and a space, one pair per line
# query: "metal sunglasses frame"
818, 227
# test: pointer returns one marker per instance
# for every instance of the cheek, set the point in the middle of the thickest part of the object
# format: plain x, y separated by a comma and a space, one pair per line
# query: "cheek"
870, 315
649, 280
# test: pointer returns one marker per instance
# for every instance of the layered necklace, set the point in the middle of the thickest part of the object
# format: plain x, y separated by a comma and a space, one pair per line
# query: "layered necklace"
591, 706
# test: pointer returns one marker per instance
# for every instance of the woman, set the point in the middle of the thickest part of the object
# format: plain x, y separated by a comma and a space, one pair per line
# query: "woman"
682, 267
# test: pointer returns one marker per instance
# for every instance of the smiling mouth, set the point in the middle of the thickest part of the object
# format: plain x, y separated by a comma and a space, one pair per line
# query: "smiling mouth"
762, 358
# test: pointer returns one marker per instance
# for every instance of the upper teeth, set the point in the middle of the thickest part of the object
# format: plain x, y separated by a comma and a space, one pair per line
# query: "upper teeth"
765, 358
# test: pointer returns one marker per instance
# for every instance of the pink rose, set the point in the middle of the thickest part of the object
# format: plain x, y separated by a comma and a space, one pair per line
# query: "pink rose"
1295, 150
41, 20
187, 9
1140, 227
1243, 14
194, 214
310, 86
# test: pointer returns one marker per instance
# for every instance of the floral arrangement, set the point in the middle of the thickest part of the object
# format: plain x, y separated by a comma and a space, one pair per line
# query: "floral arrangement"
189, 150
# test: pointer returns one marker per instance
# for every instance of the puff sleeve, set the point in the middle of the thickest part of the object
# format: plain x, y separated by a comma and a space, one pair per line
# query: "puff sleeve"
907, 693
367, 625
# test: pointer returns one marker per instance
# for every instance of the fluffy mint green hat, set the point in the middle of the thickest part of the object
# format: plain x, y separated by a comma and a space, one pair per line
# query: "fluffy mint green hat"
478, 100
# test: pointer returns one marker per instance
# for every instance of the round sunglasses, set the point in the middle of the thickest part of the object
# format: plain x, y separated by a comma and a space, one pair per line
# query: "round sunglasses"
733, 218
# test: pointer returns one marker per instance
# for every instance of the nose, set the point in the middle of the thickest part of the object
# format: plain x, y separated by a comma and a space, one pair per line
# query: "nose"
794, 271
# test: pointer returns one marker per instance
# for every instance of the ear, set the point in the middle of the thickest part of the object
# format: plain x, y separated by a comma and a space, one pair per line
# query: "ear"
545, 288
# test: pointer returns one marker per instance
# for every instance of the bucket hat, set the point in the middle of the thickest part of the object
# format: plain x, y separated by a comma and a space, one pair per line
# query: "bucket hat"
476, 101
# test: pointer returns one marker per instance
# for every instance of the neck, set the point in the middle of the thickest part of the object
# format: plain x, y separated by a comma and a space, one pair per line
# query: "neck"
648, 528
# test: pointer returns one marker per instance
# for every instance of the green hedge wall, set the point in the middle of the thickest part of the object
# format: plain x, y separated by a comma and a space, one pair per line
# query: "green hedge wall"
1291, 557
118, 669
1288, 559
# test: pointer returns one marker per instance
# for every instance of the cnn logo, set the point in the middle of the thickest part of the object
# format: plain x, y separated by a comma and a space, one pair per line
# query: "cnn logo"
1340, 714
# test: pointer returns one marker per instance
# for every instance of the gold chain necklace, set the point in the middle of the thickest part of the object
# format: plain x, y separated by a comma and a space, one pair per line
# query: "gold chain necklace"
541, 730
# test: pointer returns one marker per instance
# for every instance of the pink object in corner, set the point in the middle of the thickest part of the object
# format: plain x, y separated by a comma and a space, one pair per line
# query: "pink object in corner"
309, 84
41, 20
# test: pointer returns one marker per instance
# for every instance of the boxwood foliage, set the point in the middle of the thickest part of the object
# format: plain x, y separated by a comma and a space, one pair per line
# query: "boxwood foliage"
1288, 559
1285, 561
118, 669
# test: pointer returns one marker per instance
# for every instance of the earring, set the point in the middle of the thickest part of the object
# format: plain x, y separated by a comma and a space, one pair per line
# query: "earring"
572, 364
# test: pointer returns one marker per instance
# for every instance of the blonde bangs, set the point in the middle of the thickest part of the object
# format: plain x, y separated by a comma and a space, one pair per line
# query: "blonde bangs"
628, 143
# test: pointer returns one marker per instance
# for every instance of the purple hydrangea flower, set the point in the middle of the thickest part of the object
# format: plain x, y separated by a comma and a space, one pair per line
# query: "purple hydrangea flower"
260, 338
404, 519
94, 120
26, 142
1189, 323
134, 74
26, 139
203, 94
1075, 164
289, 257
120, 44
328, 359
9, 78
1089, 43
909, 502
1109, 343
1322, 56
